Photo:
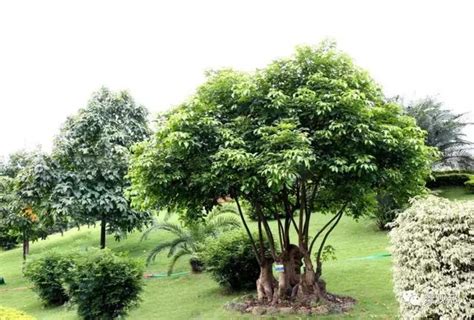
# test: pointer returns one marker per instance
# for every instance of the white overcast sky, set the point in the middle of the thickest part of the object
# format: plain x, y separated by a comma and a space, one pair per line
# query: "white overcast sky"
54, 54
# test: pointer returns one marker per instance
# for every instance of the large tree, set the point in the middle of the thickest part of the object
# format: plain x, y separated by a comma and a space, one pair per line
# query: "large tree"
308, 134
91, 156
445, 131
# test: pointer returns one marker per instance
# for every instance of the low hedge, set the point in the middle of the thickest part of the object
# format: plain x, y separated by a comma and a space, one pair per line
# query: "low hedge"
444, 179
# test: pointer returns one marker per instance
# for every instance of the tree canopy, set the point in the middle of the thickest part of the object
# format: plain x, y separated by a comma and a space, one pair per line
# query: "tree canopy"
90, 161
310, 133
20, 200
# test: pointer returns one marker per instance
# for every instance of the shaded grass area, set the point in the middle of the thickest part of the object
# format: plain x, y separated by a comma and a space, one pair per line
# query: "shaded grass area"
454, 193
198, 296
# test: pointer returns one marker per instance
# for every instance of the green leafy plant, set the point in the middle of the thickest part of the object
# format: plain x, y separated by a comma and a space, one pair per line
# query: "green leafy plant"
48, 275
469, 184
307, 135
231, 261
190, 238
433, 257
105, 286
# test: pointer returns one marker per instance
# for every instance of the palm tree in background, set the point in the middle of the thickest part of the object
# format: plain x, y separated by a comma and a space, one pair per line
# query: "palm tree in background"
189, 239
445, 131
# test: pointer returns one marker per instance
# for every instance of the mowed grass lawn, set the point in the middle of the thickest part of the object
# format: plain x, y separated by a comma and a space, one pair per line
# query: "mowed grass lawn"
454, 193
198, 296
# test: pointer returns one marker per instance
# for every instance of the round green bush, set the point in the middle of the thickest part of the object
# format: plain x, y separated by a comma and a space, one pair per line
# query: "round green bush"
231, 261
433, 255
105, 286
47, 275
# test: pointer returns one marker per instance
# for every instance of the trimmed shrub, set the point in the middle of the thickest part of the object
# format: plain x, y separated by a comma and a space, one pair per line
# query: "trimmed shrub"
231, 261
469, 184
442, 179
47, 275
105, 286
433, 252
13, 314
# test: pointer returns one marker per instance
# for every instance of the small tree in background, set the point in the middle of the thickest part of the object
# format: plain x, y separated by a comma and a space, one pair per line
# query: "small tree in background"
21, 198
90, 158
308, 134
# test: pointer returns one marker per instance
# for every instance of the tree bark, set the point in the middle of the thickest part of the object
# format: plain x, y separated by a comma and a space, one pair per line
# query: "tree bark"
26, 245
266, 283
290, 277
103, 224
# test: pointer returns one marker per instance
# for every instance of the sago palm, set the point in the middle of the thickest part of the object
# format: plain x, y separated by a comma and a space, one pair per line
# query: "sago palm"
188, 239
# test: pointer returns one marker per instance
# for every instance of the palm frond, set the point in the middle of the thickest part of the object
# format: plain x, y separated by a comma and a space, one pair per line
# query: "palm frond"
222, 224
167, 226
175, 259
222, 209
177, 242
160, 247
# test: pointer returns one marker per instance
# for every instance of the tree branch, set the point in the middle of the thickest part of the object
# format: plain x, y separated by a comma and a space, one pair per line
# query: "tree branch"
254, 246
318, 257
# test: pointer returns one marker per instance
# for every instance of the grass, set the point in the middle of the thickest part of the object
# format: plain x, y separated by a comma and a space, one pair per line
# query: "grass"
454, 193
198, 296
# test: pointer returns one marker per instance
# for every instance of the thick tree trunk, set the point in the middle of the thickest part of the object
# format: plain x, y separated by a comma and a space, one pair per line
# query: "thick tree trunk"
103, 224
266, 283
311, 285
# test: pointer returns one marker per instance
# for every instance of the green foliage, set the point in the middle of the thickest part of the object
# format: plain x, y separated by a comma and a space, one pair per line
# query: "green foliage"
434, 258
442, 179
105, 286
469, 184
90, 161
310, 133
48, 275
445, 132
387, 210
190, 239
231, 261
21, 211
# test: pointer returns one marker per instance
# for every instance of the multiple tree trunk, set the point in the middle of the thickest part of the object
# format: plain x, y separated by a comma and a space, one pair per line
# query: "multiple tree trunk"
297, 277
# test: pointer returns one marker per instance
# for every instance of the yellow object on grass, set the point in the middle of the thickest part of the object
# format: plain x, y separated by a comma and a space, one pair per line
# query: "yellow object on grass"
12, 314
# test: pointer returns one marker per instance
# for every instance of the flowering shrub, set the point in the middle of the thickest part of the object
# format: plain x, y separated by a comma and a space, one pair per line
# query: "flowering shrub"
433, 251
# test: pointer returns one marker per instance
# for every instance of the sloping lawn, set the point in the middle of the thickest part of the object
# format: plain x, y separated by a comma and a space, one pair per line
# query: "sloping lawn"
191, 296
454, 193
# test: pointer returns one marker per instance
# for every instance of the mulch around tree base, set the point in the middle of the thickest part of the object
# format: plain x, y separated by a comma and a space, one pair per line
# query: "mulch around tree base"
333, 304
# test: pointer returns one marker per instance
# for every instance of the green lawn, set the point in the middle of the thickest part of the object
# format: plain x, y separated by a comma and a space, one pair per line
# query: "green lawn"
454, 193
198, 296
